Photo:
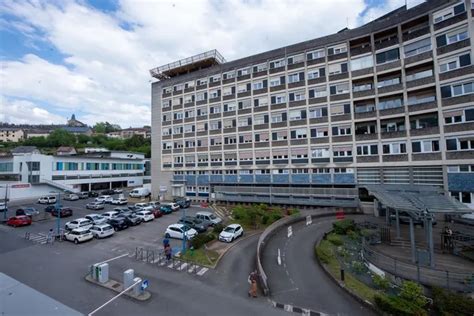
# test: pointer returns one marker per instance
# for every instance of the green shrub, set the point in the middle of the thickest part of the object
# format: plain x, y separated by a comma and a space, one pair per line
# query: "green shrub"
395, 305
265, 219
449, 303
217, 229
413, 292
335, 240
381, 282
358, 267
353, 235
200, 240
343, 226
324, 253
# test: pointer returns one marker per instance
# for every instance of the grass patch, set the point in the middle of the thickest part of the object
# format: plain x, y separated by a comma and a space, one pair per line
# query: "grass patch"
201, 256
325, 252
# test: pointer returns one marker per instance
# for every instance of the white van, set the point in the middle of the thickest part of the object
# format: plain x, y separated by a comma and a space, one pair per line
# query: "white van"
140, 192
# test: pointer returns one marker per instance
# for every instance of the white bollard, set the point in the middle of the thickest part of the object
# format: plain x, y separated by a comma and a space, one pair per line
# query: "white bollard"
309, 220
279, 257
290, 231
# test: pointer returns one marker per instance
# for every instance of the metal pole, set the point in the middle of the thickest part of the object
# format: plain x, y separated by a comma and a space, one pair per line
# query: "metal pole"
412, 241
6, 203
183, 250
430, 241
114, 298
398, 223
58, 215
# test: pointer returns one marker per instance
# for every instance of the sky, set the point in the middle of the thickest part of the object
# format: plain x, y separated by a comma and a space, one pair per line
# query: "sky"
92, 57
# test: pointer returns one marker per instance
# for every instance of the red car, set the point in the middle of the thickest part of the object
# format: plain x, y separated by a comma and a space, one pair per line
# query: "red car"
157, 213
20, 220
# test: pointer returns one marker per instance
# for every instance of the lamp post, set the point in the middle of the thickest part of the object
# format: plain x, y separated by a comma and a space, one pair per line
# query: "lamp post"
6, 203
183, 250
58, 215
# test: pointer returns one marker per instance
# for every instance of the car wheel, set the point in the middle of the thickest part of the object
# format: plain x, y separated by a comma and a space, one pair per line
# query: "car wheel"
116, 229
76, 241
167, 235
232, 239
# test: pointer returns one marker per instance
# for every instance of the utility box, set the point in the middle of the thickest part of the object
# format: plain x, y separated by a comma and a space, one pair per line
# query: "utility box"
95, 271
128, 276
103, 273
137, 289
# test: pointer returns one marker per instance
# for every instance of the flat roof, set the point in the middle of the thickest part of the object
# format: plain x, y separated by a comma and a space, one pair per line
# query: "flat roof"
14, 295
416, 198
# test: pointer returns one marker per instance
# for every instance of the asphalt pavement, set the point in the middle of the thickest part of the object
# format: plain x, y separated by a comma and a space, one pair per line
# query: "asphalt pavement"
299, 280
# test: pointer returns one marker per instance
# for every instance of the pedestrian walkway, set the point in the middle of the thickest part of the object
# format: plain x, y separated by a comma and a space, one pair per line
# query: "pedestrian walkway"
38, 238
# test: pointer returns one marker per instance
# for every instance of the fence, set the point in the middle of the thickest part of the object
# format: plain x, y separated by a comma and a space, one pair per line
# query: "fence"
158, 257
421, 274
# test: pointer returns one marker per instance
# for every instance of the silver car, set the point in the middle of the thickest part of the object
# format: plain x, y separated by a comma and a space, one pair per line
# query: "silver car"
96, 219
95, 206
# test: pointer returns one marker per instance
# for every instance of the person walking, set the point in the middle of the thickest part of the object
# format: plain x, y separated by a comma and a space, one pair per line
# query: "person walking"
49, 239
252, 279
168, 252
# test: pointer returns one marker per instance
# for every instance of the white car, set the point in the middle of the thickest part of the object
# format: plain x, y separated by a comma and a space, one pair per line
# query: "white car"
141, 205
118, 191
95, 205
154, 204
110, 214
96, 219
79, 223
210, 217
179, 230
47, 200
119, 201
102, 231
231, 232
78, 235
146, 216
71, 197
104, 199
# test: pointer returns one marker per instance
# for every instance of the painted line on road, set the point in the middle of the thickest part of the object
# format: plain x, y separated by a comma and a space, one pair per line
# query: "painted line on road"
202, 271
183, 266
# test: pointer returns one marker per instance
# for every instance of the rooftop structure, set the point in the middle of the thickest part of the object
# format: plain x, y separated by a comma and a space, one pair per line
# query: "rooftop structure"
187, 65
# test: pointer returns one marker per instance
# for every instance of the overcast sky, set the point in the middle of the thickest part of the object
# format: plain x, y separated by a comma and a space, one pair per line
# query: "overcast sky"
92, 57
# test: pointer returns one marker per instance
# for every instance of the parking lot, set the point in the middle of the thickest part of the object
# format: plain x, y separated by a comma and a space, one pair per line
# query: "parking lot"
147, 235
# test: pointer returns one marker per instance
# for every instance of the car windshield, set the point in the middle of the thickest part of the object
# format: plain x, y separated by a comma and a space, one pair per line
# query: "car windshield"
229, 229
186, 228
212, 216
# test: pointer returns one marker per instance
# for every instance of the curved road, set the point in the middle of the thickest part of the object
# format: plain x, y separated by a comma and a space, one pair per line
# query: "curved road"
300, 281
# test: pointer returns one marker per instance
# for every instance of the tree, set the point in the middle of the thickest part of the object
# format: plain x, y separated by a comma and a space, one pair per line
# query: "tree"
61, 137
134, 141
105, 127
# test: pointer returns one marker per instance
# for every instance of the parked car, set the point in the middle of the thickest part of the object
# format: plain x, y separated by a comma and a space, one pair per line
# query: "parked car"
104, 199
231, 232
108, 192
146, 216
83, 195
95, 205
141, 205
102, 230
166, 209
78, 235
210, 217
50, 208
96, 219
110, 214
78, 223
28, 211
47, 200
119, 201
3, 206
62, 212
468, 216
157, 213
118, 223
71, 197
179, 231
140, 192
93, 194
121, 210
133, 208
133, 219
183, 203
19, 220
193, 222
155, 204
118, 191
173, 206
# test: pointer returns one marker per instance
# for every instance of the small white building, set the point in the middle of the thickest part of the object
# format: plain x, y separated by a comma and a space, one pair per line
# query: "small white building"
30, 175
11, 134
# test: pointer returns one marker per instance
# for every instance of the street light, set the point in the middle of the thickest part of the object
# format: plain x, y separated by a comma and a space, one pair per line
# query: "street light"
58, 215
6, 203
183, 250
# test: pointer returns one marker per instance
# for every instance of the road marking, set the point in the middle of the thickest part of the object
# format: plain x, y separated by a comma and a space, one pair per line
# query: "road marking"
183, 266
171, 265
284, 291
288, 308
202, 271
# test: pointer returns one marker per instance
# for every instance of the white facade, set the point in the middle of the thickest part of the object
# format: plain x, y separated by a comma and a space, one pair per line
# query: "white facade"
33, 175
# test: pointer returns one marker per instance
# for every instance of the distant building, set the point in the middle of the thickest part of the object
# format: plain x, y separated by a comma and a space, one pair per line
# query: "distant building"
21, 150
89, 150
129, 132
77, 127
11, 134
37, 133
66, 151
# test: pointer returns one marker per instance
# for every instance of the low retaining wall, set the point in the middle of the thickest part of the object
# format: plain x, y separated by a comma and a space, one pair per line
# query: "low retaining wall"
284, 222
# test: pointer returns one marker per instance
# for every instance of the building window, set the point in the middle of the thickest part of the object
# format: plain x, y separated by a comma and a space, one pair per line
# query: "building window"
295, 77
337, 49
279, 98
316, 73
341, 130
425, 146
297, 115
418, 47
448, 13
387, 56
394, 148
295, 59
321, 170
462, 143
358, 87
419, 75
459, 116
229, 107
318, 92
390, 103
228, 75
362, 63
337, 68
457, 89
260, 67
343, 170
341, 152
453, 63
367, 150
388, 82
340, 88
318, 112
340, 109
299, 133
315, 54
320, 153
277, 63
319, 132
452, 37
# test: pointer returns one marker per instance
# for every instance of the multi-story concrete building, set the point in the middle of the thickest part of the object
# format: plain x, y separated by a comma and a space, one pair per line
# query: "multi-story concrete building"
389, 102
11, 134
29, 174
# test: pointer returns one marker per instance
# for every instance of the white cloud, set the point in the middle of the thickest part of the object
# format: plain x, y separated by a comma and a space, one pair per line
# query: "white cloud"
26, 112
105, 71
